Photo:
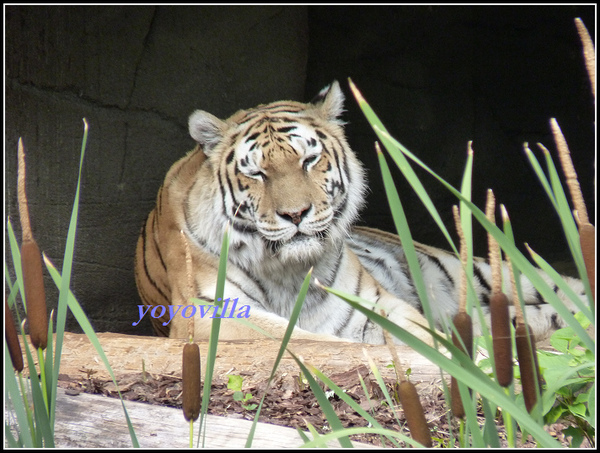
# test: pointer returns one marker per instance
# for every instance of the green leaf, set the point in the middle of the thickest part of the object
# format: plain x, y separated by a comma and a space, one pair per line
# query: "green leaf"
566, 218
405, 236
592, 406
555, 414
65, 282
576, 434
235, 382
578, 409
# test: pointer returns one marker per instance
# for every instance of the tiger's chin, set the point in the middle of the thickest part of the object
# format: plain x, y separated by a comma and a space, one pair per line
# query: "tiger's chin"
303, 249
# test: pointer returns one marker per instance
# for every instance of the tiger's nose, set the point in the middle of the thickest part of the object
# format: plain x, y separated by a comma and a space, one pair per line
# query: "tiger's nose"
294, 216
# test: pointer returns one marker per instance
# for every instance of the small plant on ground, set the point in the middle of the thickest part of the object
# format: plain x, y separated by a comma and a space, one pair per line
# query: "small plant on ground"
235, 383
570, 374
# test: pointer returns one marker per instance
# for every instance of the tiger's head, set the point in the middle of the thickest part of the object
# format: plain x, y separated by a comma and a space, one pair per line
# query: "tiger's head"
285, 171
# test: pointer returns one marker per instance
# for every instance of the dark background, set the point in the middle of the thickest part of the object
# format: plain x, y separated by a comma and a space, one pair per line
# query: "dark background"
437, 77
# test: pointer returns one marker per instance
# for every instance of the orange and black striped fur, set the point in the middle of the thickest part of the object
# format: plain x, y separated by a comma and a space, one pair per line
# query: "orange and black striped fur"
285, 178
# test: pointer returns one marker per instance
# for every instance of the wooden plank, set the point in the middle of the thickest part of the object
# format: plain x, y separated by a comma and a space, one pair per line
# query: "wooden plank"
254, 358
93, 421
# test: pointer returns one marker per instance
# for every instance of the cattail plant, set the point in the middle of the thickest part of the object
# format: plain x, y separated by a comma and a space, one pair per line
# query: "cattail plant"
190, 370
528, 364
531, 378
587, 231
499, 307
191, 381
589, 52
462, 337
31, 261
12, 339
409, 399
587, 239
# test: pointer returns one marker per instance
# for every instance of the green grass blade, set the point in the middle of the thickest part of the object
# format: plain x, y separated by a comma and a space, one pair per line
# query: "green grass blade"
302, 435
282, 348
16, 257
592, 407
61, 313
557, 197
12, 393
568, 222
214, 334
461, 367
13, 289
48, 362
11, 442
379, 379
516, 275
537, 168
517, 258
324, 438
317, 438
403, 229
43, 435
491, 437
401, 161
353, 404
332, 418
562, 285
87, 328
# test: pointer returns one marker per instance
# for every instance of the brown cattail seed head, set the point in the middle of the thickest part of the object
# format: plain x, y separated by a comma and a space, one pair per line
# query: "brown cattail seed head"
191, 381
587, 239
33, 281
500, 317
12, 340
464, 327
413, 411
528, 365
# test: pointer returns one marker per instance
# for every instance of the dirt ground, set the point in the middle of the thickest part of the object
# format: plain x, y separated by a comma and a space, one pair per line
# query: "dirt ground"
291, 403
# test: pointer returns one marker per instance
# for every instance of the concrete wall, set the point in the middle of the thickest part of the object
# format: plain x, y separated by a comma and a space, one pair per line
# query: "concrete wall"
135, 73
437, 76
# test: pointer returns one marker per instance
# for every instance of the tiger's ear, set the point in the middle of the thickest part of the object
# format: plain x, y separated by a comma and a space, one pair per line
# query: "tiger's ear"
206, 129
330, 102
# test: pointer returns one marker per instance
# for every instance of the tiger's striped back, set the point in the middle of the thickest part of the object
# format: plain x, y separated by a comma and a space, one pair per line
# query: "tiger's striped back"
383, 256
284, 178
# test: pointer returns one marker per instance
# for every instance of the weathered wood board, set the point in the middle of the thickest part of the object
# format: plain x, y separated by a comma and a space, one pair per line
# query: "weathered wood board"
256, 357
93, 421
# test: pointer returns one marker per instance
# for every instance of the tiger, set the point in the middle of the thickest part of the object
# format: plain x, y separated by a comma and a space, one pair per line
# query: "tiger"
285, 182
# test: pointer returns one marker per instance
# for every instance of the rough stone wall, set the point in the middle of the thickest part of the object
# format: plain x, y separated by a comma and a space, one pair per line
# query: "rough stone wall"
135, 74
437, 76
